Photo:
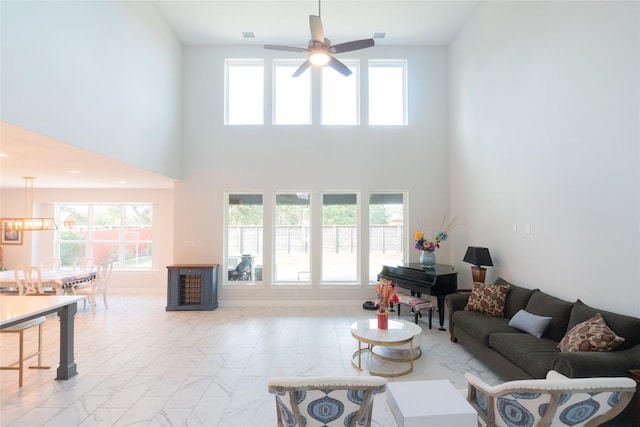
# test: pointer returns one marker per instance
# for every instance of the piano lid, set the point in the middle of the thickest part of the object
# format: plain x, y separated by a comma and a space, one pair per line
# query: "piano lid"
439, 268
415, 272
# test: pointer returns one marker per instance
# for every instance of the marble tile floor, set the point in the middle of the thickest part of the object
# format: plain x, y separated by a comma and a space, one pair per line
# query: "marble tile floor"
142, 366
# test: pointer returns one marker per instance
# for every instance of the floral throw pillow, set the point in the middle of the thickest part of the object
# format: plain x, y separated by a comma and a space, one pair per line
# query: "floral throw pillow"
488, 299
591, 335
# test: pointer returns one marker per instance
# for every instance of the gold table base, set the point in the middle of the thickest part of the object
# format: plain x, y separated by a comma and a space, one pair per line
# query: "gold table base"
369, 348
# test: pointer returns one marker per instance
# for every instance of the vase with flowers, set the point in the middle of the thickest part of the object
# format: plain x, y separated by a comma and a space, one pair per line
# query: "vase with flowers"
429, 246
386, 291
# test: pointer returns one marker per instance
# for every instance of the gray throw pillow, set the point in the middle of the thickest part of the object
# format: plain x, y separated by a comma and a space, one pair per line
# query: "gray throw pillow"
530, 323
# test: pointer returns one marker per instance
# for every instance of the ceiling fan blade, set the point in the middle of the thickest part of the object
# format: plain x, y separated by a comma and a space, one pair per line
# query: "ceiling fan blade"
317, 33
285, 48
339, 66
349, 46
302, 68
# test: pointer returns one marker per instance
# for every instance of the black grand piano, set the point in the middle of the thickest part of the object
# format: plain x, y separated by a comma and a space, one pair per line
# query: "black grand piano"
439, 281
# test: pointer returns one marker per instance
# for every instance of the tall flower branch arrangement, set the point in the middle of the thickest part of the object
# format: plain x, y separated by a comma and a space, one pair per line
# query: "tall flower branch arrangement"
386, 291
425, 244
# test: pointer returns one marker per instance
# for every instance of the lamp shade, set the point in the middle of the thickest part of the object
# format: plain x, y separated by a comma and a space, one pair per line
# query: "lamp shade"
478, 256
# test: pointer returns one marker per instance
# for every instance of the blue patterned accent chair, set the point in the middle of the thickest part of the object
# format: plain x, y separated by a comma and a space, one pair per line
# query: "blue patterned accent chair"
325, 401
554, 401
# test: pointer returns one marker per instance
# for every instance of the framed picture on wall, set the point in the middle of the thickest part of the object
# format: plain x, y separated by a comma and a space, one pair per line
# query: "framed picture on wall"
10, 237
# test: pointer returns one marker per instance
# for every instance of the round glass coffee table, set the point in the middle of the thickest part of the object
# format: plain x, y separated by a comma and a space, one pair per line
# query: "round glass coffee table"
399, 334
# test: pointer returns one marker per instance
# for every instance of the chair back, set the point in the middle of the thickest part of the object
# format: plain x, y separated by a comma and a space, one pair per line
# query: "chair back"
29, 280
325, 401
52, 264
83, 264
554, 401
103, 273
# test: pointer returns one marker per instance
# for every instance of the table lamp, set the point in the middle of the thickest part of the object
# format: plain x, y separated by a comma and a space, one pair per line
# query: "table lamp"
478, 257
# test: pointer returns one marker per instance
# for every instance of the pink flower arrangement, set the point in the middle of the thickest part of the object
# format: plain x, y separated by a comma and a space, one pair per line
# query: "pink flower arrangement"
386, 293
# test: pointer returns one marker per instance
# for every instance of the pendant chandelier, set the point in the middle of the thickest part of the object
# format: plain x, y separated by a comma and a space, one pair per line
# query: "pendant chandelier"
28, 222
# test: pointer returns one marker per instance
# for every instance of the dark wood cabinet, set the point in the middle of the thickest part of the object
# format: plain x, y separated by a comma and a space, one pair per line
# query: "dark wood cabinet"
192, 287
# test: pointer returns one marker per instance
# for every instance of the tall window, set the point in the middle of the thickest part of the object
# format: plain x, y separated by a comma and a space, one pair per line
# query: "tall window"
122, 233
386, 231
292, 95
244, 97
292, 239
340, 100
387, 92
244, 238
340, 242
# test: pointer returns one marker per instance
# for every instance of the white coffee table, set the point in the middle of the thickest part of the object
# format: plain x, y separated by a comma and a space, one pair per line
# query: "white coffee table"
429, 403
399, 335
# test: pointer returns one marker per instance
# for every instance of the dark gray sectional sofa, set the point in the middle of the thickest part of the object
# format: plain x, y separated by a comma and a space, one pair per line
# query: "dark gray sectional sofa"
514, 354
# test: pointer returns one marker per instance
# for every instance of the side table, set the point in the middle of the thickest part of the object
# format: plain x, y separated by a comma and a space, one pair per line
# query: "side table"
429, 403
635, 402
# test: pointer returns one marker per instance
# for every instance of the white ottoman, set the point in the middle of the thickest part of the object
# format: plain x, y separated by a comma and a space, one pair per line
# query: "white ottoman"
429, 403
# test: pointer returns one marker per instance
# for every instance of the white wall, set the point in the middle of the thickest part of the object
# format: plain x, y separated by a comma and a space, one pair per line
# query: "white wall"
545, 131
103, 76
39, 245
313, 158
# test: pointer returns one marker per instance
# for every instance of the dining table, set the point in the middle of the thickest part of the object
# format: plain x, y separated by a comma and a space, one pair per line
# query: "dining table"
17, 309
59, 280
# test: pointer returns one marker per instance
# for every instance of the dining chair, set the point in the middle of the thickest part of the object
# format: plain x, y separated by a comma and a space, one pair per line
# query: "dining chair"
83, 263
98, 286
29, 282
51, 264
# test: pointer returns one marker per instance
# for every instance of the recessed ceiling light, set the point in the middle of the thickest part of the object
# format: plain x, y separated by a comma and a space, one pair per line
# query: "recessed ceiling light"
4, 155
248, 35
122, 182
73, 171
379, 35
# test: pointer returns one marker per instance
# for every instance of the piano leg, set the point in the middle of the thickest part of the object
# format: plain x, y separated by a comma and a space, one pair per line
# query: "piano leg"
441, 311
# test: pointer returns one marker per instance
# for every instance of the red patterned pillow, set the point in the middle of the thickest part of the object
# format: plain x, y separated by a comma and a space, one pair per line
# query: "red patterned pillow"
591, 335
488, 299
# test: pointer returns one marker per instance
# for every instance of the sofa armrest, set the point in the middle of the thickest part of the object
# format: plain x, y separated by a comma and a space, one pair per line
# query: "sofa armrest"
579, 364
455, 302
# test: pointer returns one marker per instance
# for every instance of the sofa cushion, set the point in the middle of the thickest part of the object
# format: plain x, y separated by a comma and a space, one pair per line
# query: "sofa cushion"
517, 297
530, 323
559, 310
624, 326
480, 326
591, 335
487, 299
531, 354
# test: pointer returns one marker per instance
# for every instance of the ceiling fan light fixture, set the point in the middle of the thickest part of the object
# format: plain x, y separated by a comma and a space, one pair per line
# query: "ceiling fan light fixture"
320, 49
319, 58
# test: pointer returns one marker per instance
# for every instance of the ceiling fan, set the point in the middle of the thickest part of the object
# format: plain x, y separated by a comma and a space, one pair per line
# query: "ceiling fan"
320, 50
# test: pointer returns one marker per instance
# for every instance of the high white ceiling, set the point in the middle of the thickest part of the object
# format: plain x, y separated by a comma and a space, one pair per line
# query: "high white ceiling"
414, 22
405, 23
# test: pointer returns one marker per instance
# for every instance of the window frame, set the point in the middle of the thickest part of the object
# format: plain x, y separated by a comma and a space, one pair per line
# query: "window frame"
225, 251
91, 242
274, 90
404, 236
238, 62
310, 245
390, 63
358, 256
354, 65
